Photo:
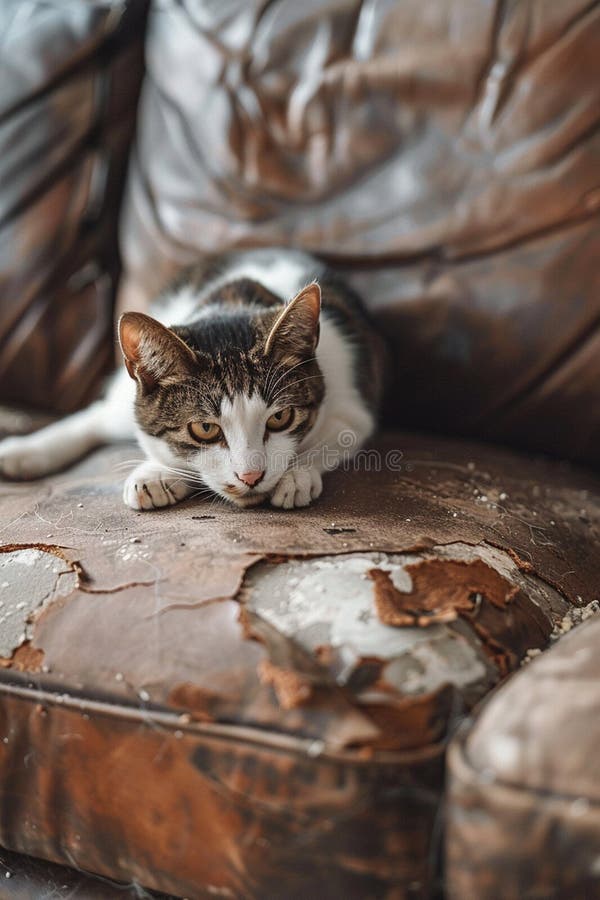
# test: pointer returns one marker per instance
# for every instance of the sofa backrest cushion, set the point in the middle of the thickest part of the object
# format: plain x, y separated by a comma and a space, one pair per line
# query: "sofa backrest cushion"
69, 79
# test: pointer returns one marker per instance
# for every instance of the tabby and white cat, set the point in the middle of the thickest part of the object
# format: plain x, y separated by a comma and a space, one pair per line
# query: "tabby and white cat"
245, 393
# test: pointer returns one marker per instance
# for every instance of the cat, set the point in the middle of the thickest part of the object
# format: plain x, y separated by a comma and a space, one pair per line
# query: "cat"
257, 372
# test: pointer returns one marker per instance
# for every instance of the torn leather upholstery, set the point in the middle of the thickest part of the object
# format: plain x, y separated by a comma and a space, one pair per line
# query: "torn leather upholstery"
205, 677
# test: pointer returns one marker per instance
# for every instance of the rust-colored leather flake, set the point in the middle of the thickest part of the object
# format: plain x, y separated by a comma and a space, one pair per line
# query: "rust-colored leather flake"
443, 590
421, 608
292, 688
24, 659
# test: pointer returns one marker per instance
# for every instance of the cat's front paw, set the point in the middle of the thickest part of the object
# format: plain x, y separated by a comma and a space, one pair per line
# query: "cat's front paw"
152, 487
297, 488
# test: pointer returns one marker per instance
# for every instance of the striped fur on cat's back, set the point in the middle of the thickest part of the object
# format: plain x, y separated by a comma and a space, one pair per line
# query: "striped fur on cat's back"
256, 372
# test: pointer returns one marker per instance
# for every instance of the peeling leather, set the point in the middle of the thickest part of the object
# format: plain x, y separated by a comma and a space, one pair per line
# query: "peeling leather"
442, 590
154, 570
24, 658
292, 688
418, 609
32, 576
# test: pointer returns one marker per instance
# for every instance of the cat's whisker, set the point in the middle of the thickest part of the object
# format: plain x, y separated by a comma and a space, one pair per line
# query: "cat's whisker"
179, 470
176, 471
271, 374
287, 387
298, 381
183, 475
315, 449
291, 369
128, 463
189, 479
303, 362
123, 468
219, 500
201, 493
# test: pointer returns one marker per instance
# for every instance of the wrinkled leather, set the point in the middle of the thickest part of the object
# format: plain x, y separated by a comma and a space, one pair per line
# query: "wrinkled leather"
445, 154
69, 78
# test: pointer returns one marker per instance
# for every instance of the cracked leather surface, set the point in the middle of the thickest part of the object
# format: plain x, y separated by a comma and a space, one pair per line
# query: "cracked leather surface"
231, 673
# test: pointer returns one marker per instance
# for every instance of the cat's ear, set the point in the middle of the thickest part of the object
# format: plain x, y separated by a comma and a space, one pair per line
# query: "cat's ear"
152, 352
296, 329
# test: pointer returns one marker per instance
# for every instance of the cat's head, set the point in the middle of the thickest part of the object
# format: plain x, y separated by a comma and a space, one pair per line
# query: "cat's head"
231, 396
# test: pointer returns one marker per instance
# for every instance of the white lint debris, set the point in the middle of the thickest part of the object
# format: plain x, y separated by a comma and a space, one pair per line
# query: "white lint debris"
574, 616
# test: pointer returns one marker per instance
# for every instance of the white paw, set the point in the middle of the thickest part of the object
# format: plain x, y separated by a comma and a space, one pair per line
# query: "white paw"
152, 487
297, 488
25, 457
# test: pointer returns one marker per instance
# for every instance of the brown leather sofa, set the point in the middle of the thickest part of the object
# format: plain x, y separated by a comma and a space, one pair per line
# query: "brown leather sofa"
257, 704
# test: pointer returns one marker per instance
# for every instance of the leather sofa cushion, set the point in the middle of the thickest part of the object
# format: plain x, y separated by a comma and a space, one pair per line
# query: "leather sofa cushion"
69, 80
444, 155
535, 746
202, 699
529, 767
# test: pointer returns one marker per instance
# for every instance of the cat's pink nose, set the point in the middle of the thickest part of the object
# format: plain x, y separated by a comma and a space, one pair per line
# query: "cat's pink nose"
250, 478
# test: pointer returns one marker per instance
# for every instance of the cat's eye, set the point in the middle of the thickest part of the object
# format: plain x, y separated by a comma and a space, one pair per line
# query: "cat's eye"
205, 432
281, 419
